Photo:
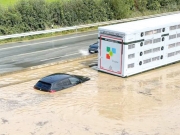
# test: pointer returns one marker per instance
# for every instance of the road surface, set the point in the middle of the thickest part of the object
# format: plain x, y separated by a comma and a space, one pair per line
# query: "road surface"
16, 56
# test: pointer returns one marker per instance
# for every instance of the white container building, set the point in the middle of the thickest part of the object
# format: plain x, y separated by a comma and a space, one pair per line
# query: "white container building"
133, 47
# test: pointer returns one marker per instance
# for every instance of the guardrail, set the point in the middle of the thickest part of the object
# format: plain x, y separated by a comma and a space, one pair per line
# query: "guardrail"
83, 26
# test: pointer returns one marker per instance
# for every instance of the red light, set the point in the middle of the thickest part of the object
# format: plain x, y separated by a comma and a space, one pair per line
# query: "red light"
52, 91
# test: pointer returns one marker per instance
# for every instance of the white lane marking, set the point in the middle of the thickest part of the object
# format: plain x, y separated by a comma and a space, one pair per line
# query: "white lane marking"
41, 51
46, 42
46, 50
59, 57
13, 56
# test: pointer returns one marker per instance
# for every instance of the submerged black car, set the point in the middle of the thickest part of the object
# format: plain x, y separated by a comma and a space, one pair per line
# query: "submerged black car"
59, 81
93, 48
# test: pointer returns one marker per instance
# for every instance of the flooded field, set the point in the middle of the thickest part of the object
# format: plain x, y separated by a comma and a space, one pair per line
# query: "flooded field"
144, 104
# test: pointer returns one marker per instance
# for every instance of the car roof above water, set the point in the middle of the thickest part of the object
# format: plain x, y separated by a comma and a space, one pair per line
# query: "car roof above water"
55, 77
95, 45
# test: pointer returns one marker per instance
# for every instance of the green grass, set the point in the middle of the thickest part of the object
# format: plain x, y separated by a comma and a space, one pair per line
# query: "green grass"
6, 3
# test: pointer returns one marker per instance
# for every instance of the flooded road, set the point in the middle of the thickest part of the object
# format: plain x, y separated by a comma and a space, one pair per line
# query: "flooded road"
144, 104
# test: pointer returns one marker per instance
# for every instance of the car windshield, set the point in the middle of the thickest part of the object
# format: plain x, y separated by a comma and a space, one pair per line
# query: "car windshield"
43, 86
95, 45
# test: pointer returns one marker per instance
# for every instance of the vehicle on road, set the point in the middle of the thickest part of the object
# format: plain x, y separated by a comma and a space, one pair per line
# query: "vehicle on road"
59, 81
93, 48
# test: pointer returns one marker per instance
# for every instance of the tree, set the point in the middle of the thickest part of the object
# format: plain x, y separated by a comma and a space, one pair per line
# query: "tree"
120, 8
153, 5
141, 5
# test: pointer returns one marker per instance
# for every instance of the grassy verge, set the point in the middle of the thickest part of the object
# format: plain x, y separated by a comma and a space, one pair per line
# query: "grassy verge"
7, 3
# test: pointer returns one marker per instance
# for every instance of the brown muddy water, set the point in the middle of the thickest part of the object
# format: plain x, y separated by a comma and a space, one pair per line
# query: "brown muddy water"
144, 104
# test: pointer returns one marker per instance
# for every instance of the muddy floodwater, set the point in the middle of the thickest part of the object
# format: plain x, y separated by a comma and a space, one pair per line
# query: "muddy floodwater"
144, 104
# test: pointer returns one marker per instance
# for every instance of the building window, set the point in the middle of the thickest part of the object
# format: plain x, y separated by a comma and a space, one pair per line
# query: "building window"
157, 31
131, 46
146, 61
131, 65
173, 27
171, 54
148, 33
155, 58
156, 49
147, 42
171, 45
172, 36
157, 40
178, 35
177, 44
177, 52
148, 51
178, 26
130, 56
